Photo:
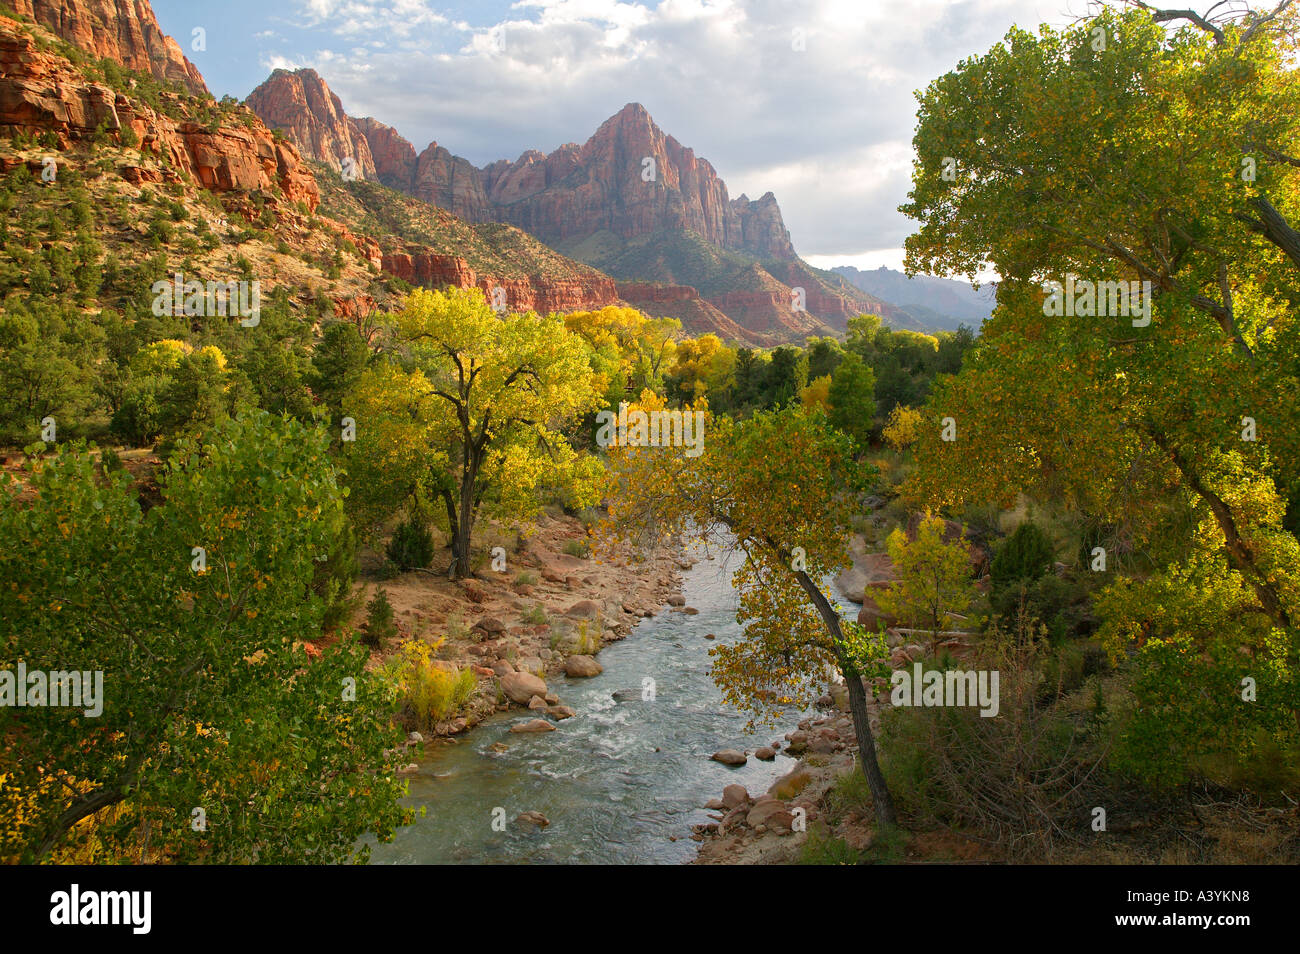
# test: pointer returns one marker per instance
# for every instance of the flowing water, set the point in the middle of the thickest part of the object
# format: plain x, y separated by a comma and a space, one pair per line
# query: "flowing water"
621, 782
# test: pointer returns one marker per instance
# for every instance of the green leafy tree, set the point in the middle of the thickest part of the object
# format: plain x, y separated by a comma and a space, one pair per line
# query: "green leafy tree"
209, 700
852, 398
782, 488
1025, 556
336, 365
471, 413
1163, 155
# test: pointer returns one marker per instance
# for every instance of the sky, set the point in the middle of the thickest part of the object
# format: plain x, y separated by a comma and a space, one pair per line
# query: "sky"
812, 101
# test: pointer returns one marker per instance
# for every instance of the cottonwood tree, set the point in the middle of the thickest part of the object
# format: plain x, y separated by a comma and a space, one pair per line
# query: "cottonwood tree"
627, 349
218, 740
1139, 146
469, 409
934, 584
782, 489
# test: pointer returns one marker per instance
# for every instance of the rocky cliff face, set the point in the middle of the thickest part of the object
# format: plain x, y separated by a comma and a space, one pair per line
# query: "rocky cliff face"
300, 105
41, 93
393, 156
630, 178
527, 293
451, 183
123, 30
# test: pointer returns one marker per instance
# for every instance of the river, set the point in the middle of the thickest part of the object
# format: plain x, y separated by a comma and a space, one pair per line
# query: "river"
621, 782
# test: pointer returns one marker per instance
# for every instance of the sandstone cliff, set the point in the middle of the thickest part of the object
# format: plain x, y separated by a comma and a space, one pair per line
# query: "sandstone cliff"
393, 156
300, 105
123, 30
41, 93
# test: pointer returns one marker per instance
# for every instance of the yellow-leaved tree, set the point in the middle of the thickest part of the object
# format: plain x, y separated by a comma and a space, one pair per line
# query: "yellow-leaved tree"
780, 488
469, 408
934, 578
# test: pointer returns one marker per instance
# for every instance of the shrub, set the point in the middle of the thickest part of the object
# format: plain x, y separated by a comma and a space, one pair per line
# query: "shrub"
578, 547
1027, 779
109, 461
380, 623
1024, 557
429, 689
412, 544
823, 848
334, 578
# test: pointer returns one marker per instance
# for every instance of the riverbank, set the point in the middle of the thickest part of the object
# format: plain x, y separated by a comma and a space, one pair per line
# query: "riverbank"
625, 778
547, 608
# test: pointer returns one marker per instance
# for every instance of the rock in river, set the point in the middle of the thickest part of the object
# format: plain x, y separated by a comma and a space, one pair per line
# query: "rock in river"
520, 687
533, 725
582, 667
730, 757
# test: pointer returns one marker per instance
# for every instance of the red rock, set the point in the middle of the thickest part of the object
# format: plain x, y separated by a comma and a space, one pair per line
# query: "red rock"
300, 105
123, 30
523, 293
41, 92
394, 157
451, 183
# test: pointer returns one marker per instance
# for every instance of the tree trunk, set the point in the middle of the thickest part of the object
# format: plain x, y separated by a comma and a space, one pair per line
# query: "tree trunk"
464, 527
886, 817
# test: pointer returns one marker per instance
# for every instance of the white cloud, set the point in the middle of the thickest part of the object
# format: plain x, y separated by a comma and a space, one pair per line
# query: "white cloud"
827, 129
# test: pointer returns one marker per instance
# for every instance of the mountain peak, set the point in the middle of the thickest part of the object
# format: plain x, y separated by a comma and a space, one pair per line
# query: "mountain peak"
122, 30
302, 106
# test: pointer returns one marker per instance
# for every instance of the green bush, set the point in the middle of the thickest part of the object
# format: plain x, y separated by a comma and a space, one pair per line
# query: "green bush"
380, 622
1064, 604
1025, 556
412, 545
577, 547
334, 578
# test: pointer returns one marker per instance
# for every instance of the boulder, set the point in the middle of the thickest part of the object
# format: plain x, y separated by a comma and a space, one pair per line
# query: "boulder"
520, 687
734, 795
763, 812
490, 625
533, 725
532, 664
765, 753
582, 667
584, 609
731, 757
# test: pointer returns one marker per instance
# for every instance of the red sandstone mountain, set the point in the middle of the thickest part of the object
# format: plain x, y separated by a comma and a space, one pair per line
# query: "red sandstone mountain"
629, 178
194, 144
304, 107
631, 201
632, 179
123, 30
393, 156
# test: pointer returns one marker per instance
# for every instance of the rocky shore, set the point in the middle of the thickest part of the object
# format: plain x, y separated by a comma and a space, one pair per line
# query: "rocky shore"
546, 611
